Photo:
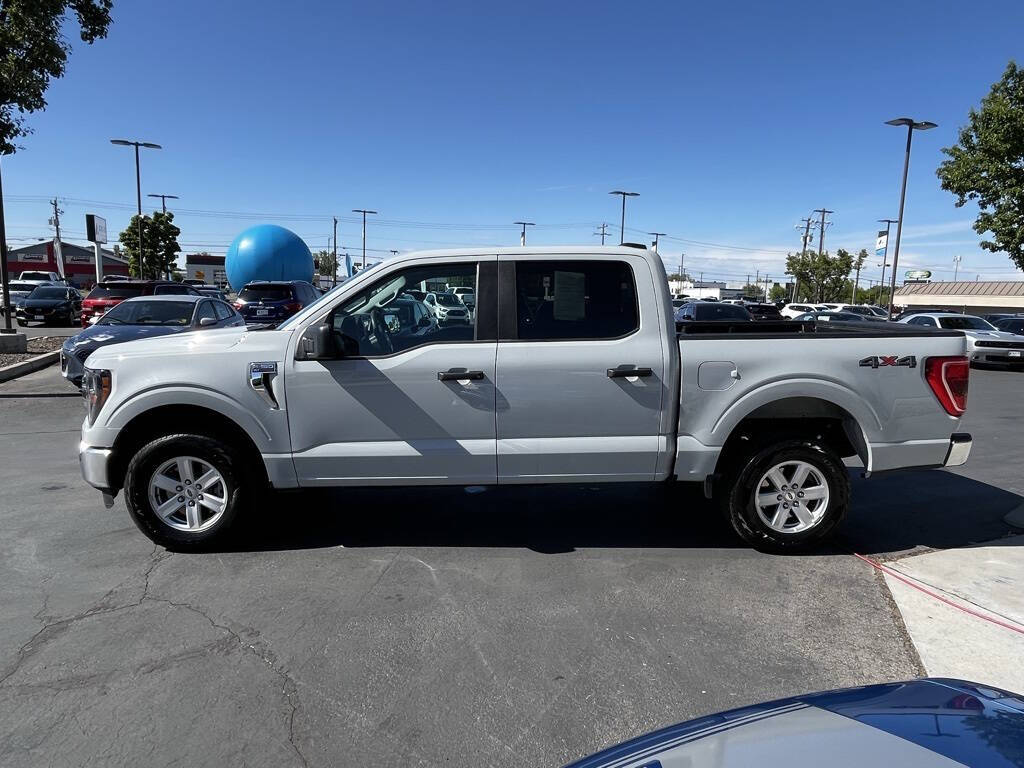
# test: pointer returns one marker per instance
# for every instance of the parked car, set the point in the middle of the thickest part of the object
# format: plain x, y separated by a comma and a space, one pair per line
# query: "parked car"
927, 723
110, 293
1002, 316
50, 304
274, 301
145, 317
466, 294
831, 317
985, 343
794, 310
37, 276
204, 289
447, 308
695, 311
193, 281
1014, 325
596, 385
19, 289
763, 311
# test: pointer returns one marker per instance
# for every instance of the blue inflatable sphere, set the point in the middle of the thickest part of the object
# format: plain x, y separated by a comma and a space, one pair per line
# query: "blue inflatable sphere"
267, 252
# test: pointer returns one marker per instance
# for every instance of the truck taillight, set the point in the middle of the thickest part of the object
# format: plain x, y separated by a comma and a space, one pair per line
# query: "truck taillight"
948, 376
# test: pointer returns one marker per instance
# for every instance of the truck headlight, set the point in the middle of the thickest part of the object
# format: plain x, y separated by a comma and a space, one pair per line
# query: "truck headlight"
95, 391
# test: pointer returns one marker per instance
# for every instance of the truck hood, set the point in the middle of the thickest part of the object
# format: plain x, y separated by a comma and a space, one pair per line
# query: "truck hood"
262, 344
991, 335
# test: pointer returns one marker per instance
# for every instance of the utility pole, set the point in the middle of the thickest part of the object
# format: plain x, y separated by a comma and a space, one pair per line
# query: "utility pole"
364, 212
682, 266
138, 186
956, 266
622, 226
803, 251
603, 233
524, 225
58, 252
821, 241
334, 270
656, 236
766, 282
853, 295
164, 199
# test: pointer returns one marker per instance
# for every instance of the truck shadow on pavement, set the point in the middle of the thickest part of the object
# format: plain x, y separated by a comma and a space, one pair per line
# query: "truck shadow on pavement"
891, 513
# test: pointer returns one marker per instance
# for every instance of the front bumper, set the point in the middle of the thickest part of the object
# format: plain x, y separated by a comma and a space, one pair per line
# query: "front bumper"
95, 464
960, 444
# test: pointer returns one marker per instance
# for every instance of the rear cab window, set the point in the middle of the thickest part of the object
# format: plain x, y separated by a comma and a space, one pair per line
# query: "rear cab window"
575, 300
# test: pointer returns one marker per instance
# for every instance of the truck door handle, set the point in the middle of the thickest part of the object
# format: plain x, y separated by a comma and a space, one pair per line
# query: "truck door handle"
622, 372
455, 375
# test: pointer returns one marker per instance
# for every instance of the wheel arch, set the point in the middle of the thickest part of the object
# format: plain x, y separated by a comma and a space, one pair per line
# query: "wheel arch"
180, 419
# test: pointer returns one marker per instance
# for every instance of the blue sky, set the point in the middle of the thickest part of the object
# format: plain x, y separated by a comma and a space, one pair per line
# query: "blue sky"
732, 120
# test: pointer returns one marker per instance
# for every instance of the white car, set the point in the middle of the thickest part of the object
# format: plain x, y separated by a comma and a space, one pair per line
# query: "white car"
986, 344
793, 311
448, 309
40, 278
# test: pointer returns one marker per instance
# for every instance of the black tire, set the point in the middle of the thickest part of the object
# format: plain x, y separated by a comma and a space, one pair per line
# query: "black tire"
738, 496
222, 456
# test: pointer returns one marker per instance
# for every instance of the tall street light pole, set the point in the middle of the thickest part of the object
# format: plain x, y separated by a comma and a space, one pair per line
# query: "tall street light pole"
364, 211
3, 264
524, 225
656, 236
138, 183
956, 266
163, 200
885, 254
912, 125
622, 226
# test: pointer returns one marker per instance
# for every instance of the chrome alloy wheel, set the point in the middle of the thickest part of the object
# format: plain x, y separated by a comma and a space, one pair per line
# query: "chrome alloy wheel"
188, 494
792, 497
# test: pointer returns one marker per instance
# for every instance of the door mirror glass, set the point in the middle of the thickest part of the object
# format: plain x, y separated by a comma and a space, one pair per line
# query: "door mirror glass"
316, 343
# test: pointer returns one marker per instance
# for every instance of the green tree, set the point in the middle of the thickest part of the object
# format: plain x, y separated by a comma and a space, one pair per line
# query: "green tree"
160, 244
822, 277
750, 289
33, 51
778, 292
325, 263
987, 165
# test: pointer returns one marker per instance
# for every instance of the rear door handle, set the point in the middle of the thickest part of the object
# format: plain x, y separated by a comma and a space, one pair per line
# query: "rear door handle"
622, 372
459, 375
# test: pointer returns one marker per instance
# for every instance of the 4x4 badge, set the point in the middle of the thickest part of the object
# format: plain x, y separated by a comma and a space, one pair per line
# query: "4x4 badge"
882, 361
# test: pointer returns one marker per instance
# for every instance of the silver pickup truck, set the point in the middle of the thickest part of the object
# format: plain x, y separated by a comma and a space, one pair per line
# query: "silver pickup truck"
568, 369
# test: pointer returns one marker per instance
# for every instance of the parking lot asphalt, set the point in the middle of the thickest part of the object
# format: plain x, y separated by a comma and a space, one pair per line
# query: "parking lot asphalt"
507, 627
34, 331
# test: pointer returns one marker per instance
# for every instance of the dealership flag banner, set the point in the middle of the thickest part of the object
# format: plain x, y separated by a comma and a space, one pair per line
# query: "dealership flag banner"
880, 243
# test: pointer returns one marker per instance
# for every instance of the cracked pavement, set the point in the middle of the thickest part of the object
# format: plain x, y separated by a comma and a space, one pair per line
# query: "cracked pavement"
523, 626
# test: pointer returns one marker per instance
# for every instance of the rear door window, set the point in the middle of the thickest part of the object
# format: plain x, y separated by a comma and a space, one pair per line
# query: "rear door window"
584, 300
223, 310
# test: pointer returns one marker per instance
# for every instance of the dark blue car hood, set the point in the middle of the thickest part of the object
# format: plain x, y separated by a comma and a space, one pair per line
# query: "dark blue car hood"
42, 303
99, 335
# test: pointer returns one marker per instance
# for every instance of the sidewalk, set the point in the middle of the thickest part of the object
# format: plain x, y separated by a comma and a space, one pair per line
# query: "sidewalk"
986, 646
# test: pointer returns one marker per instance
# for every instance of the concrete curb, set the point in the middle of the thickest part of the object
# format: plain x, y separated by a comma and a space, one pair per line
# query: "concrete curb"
31, 365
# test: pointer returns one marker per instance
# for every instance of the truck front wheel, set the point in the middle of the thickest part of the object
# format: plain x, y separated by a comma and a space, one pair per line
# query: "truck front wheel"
788, 496
184, 491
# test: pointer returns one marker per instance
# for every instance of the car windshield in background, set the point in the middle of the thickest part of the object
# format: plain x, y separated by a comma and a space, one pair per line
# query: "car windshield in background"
116, 291
965, 323
49, 292
150, 313
717, 311
448, 300
266, 293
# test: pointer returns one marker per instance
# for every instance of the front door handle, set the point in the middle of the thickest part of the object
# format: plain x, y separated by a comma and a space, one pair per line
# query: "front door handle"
454, 375
623, 372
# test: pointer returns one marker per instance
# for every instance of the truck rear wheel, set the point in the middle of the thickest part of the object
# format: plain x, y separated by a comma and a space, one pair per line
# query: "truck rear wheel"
788, 497
184, 491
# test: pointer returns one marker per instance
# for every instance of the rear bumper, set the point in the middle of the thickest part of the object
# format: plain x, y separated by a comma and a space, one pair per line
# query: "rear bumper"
960, 444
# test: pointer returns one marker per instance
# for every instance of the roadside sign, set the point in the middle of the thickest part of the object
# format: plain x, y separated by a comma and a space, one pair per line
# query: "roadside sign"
880, 243
95, 228
918, 274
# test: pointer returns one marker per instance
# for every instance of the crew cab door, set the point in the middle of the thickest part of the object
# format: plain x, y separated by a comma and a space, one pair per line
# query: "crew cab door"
406, 401
581, 369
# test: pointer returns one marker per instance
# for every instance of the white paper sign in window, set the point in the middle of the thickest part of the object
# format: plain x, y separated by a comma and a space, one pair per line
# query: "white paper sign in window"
570, 295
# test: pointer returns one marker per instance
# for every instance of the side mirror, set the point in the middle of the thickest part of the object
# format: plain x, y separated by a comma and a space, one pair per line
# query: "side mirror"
207, 321
316, 343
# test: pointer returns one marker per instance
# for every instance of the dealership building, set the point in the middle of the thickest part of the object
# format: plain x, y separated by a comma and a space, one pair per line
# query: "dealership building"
79, 262
980, 297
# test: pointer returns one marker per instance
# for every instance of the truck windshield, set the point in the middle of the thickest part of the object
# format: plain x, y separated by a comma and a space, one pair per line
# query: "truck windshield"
965, 323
